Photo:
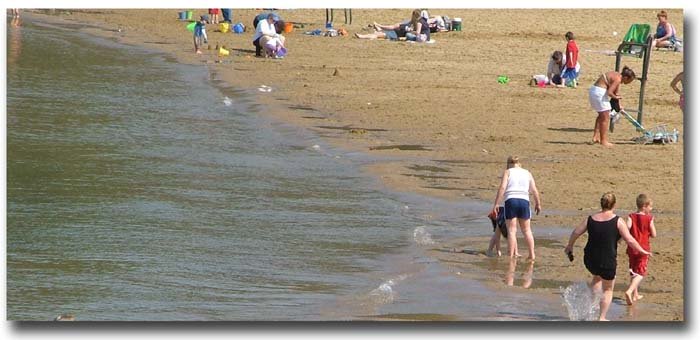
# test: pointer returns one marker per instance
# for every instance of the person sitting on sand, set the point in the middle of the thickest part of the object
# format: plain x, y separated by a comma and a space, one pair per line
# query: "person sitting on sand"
606, 87
600, 254
555, 68
419, 24
665, 32
516, 186
641, 226
266, 28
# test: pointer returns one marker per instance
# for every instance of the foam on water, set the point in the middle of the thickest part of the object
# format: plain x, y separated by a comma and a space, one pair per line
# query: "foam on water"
422, 237
581, 303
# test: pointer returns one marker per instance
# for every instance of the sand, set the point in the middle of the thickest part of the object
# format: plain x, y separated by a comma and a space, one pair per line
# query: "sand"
449, 126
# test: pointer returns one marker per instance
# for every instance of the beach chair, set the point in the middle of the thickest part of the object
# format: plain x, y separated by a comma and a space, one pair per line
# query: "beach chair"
635, 40
637, 43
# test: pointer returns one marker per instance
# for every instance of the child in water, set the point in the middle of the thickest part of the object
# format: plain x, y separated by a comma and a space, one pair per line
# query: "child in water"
641, 225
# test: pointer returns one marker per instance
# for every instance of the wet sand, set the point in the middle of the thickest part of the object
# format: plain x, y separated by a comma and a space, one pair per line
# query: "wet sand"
448, 125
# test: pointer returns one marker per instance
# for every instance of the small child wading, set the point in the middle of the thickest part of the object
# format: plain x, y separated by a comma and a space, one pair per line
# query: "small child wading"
200, 34
641, 225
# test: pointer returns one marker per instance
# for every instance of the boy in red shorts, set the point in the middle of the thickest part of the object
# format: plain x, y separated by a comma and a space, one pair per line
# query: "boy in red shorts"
641, 225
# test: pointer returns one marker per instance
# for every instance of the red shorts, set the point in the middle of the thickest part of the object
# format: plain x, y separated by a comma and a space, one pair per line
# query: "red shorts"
213, 11
638, 264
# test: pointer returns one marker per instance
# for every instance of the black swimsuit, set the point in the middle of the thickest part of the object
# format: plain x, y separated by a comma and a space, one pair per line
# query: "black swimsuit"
600, 253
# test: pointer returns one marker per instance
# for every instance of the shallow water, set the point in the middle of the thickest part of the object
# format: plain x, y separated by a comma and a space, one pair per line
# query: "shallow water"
137, 190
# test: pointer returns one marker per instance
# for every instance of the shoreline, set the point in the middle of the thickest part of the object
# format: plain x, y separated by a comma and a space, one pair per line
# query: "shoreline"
443, 171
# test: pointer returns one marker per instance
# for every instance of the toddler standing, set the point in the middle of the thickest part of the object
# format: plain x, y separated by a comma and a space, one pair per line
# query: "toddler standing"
570, 75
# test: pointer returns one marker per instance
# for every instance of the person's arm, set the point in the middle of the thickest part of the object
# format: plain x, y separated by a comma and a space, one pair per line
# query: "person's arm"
622, 229
652, 228
419, 26
499, 194
669, 31
536, 193
629, 222
578, 231
674, 83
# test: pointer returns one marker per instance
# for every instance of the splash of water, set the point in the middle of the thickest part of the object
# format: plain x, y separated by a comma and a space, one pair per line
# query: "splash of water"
422, 237
385, 292
581, 303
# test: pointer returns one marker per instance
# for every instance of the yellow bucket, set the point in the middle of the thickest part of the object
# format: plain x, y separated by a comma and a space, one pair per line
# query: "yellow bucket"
223, 52
224, 27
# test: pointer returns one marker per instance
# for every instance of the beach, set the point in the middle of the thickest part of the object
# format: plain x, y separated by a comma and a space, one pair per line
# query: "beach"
447, 126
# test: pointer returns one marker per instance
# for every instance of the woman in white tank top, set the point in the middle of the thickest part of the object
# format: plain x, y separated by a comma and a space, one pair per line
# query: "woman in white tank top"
516, 186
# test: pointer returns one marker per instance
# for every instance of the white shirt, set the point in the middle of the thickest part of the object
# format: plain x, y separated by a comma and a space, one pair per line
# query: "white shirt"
553, 69
518, 184
264, 27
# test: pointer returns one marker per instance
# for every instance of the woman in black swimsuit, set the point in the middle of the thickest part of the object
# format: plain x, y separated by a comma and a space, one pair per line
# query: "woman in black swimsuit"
600, 254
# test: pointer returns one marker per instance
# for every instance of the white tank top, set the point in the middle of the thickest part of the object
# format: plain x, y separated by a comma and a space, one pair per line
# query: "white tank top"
518, 184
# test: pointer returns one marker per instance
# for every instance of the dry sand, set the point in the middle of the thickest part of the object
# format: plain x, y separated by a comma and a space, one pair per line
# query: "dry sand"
449, 125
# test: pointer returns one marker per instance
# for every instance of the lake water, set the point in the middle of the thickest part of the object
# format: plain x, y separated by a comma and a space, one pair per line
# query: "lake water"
142, 189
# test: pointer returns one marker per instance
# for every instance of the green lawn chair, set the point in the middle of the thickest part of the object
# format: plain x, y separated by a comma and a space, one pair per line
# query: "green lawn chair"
635, 40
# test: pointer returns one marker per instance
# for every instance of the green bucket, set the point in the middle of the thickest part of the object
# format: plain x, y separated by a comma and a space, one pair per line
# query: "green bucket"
457, 24
189, 15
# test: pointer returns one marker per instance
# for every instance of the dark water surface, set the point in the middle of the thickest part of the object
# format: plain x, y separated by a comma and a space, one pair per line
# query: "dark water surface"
136, 190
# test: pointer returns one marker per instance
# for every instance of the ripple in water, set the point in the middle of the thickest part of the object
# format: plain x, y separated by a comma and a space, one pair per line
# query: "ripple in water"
581, 303
422, 237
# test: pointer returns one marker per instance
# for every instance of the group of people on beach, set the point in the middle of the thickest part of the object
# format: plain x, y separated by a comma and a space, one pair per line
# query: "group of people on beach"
604, 95
512, 206
267, 39
417, 29
511, 209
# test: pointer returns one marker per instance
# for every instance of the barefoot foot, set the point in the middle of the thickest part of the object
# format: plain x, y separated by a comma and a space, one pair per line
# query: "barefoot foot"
628, 297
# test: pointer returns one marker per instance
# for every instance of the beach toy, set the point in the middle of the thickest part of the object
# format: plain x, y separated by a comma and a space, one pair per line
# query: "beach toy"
503, 79
282, 52
190, 26
223, 52
288, 27
189, 15
541, 84
238, 28
224, 27
182, 15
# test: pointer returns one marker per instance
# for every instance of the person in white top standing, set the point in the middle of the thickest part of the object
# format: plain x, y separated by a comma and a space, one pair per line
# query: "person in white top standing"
516, 186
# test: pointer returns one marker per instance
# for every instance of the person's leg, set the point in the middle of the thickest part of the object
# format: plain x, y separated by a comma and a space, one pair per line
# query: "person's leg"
380, 27
258, 48
512, 242
631, 293
606, 299
529, 239
597, 129
604, 125
495, 243
596, 284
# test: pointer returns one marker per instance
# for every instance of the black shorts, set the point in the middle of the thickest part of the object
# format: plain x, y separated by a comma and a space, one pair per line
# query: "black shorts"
605, 273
